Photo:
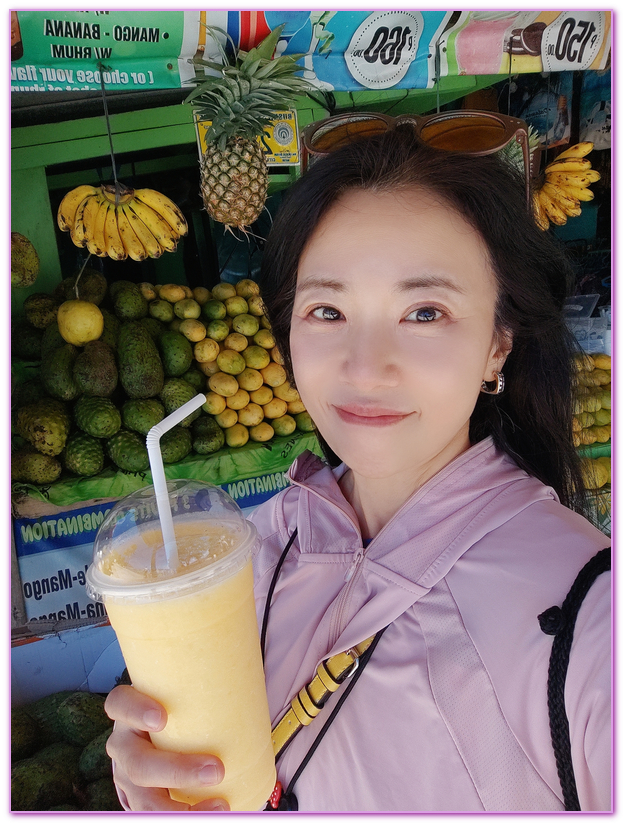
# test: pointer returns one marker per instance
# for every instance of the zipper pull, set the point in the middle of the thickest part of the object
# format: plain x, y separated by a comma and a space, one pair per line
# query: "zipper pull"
353, 567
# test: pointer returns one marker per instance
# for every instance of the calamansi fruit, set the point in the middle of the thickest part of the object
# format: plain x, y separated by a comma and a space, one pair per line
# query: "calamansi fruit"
80, 321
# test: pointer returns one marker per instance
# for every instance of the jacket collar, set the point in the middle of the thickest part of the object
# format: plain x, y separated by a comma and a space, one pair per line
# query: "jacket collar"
475, 493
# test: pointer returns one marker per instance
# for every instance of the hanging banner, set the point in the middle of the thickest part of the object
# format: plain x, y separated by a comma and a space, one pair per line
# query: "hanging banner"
342, 50
520, 42
73, 50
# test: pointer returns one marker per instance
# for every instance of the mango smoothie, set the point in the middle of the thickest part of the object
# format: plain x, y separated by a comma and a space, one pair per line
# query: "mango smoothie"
190, 640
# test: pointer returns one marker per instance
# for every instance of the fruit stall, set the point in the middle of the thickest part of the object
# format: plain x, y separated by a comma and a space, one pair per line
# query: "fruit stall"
149, 151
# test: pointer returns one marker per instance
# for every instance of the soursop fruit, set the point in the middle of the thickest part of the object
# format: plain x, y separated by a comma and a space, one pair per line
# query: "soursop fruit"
51, 339
153, 326
140, 367
24, 261
129, 303
142, 415
36, 785
92, 286
95, 370
43, 711
24, 734
83, 455
94, 762
45, 425
68, 754
208, 437
197, 379
128, 451
176, 353
97, 416
40, 309
25, 341
82, 718
174, 394
57, 373
111, 329
102, 796
34, 467
117, 285
175, 444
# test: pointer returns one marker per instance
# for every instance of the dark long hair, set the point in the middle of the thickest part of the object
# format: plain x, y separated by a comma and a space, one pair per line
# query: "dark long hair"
532, 420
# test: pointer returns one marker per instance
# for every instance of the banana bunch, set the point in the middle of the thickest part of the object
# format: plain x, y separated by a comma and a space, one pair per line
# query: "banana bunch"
566, 186
119, 222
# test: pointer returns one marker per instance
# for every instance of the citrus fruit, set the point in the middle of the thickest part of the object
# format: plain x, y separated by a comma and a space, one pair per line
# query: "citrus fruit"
79, 322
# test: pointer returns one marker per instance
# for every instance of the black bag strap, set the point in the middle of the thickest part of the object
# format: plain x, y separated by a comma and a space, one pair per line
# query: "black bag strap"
560, 622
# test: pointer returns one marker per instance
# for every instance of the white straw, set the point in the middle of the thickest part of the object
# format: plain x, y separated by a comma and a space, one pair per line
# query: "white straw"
157, 473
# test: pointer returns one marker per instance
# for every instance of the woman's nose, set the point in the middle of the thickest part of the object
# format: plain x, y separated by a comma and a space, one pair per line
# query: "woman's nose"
370, 359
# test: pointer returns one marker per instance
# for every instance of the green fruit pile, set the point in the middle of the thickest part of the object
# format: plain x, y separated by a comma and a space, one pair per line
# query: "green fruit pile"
58, 755
92, 406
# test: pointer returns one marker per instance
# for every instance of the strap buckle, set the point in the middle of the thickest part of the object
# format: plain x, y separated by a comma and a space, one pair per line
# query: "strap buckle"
351, 671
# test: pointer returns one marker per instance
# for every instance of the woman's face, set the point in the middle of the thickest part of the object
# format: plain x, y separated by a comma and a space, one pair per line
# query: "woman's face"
393, 331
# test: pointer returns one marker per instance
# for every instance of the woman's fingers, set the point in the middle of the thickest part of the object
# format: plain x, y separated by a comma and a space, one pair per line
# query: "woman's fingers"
213, 805
144, 765
143, 773
135, 709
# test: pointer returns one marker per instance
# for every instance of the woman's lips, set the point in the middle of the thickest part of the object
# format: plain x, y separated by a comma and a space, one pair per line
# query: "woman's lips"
370, 416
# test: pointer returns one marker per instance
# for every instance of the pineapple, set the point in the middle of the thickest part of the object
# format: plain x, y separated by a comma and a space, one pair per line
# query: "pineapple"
245, 96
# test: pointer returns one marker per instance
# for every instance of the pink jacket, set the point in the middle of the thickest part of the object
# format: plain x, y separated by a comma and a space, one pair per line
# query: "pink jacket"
451, 712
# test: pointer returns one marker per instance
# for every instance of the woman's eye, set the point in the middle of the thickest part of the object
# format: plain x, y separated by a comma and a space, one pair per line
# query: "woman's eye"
425, 315
326, 313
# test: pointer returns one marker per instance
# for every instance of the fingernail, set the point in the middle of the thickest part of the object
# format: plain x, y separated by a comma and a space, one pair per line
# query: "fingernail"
219, 807
209, 775
152, 718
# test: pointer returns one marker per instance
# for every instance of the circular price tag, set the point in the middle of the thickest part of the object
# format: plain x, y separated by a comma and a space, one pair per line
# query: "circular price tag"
383, 47
573, 40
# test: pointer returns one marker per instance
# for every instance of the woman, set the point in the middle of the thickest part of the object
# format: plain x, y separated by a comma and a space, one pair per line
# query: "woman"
405, 286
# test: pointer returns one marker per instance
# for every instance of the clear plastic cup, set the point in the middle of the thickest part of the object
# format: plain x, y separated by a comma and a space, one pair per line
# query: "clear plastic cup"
189, 635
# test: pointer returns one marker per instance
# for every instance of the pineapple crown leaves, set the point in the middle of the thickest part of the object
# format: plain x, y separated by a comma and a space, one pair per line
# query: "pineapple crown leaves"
249, 88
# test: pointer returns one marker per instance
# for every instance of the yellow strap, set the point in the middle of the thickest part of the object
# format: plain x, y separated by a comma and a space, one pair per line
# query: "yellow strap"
330, 674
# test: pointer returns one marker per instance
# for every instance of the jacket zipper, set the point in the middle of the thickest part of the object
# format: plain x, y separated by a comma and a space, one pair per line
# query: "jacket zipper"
350, 578
358, 557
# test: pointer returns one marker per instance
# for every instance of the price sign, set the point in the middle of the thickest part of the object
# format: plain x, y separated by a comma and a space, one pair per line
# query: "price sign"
573, 40
280, 140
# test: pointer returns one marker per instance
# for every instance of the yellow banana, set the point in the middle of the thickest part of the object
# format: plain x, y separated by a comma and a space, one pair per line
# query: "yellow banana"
109, 191
97, 243
579, 150
579, 193
540, 217
89, 214
77, 230
559, 195
69, 205
568, 164
593, 175
165, 207
131, 243
552, 210
146, 238
114, 243
570, 211
577, 179
159, 227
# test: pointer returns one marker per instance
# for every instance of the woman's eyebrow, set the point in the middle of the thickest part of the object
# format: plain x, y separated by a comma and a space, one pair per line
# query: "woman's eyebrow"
429, 281
312, 283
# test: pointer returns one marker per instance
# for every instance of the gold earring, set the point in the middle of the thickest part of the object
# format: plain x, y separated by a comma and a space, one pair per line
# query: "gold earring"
498, 384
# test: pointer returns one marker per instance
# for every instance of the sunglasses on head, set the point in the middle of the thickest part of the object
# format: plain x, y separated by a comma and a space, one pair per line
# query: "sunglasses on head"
467, 131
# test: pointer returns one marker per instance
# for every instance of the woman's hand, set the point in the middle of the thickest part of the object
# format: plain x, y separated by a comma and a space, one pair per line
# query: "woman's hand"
143, 773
